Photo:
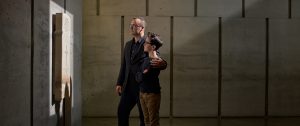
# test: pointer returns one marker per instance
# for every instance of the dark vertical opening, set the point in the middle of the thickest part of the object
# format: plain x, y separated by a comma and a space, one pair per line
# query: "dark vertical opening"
171, 65
267, 70
195, 8
147, 7
122, 36
98, 7
243, 9
290, 9
31, 61
65, 6
220, 68
53, 55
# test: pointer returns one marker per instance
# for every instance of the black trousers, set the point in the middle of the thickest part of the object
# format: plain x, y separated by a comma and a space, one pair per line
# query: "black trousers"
129, 98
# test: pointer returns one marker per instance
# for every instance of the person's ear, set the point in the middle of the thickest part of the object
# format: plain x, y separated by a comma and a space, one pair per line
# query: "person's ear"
153, 47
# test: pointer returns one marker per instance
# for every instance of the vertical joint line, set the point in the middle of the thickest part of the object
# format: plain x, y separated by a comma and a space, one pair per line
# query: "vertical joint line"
243, 9
31, 61
171, 65
290, 9
195, 8
122, 36
98, 7
147, 7
220, 68
267, 70
65, 6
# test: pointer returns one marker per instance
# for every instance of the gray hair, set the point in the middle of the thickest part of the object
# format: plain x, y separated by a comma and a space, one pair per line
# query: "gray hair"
143, 21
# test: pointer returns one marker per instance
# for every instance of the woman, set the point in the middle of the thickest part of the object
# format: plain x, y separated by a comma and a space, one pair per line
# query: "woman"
150, 94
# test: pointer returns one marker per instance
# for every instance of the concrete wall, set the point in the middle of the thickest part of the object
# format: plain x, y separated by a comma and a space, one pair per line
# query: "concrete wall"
15, 46
44, 11
74, 8
226, 57
26, 61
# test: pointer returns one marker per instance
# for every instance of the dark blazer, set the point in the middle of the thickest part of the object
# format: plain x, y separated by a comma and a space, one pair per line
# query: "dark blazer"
128, 64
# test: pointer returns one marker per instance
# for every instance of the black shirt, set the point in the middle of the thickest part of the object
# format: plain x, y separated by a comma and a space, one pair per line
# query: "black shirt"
150, 81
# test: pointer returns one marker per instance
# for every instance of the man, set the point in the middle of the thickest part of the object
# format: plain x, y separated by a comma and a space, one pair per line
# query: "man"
127, 86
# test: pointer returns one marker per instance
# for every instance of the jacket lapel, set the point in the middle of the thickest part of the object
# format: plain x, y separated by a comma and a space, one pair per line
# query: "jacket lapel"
137, 55
129, 50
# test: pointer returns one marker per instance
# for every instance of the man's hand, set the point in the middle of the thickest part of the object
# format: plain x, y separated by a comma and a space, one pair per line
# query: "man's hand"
158, 63
119, 89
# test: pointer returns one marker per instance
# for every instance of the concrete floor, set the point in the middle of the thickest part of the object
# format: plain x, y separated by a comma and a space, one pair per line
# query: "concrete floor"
291, 121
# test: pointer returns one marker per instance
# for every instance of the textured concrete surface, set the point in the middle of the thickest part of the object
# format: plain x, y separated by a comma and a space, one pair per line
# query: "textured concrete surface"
15, 62
101, 64
42, 62
44, 112
16, 44
266, 8
284, 67
195, 48
90, 7
243, 67
295, 9
171, 8
74, 10
219, 8
123, 7
195, 66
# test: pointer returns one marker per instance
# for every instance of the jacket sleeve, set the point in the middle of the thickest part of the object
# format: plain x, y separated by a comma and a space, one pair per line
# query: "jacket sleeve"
164, 66
121, 77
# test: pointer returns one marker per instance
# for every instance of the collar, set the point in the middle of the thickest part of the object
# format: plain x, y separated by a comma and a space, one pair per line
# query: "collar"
138, 42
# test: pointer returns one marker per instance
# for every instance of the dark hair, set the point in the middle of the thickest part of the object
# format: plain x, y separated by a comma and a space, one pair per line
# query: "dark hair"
143, 21
155, 40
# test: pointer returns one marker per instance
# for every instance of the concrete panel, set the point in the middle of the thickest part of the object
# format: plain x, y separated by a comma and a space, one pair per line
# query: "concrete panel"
161, 26
284, 121
171, 7
266, 8
101, 64
56, 6
243, 67
74, 10
193, 122
219, 8
243, 122
195, 66
42, 82
15, 46
90, 7
122, 7
296, 8
284, 69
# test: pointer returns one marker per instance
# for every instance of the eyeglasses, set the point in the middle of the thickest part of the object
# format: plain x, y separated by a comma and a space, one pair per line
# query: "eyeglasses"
134, 25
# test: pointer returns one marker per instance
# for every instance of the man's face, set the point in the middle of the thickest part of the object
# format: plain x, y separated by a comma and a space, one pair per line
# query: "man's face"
135, 27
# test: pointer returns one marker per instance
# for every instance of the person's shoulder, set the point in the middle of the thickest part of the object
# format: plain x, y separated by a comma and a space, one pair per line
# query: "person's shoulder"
129, 42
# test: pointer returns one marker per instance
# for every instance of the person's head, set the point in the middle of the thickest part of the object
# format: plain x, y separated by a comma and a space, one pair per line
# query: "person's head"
152, 42
137, 26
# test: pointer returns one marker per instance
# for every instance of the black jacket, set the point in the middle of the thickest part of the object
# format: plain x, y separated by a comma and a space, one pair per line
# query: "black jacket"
128, 64
134, 64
